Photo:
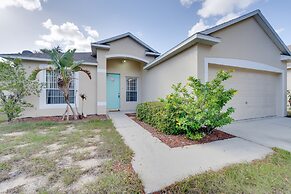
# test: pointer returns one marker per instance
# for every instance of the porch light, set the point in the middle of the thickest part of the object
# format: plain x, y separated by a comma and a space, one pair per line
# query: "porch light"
123, 61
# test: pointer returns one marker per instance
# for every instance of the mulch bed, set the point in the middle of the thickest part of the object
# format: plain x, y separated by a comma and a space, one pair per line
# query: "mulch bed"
174, 141
59, 118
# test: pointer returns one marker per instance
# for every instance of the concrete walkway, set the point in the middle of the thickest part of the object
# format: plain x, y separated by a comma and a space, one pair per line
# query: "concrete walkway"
159, 166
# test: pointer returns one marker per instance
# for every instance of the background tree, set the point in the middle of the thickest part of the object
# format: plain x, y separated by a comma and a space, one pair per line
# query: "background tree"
64, 67
289, 97
15, 85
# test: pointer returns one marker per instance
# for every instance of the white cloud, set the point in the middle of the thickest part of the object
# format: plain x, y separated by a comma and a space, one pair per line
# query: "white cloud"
187, 3
280, 30
222, 7
227, 17
30, 5
199, 26
91, 32
66, 35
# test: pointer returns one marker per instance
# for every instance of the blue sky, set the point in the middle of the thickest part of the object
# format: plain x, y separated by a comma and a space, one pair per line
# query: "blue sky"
35, 24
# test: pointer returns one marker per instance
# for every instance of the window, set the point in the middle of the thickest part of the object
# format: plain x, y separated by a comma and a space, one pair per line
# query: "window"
53, 94
131, 89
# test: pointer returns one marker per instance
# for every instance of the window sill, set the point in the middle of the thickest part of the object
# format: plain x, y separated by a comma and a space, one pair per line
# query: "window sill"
55, 106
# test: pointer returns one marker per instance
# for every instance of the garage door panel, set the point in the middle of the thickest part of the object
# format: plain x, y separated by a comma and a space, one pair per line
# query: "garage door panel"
256, 96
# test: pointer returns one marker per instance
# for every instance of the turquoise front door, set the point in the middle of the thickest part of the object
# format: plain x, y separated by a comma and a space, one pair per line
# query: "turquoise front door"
113, 91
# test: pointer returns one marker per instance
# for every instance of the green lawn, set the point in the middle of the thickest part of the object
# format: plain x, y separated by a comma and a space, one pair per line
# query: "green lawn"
271, 175
72, 157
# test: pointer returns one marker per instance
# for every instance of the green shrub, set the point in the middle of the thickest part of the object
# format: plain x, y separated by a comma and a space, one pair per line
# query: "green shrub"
151, 113
195, 109
15, 86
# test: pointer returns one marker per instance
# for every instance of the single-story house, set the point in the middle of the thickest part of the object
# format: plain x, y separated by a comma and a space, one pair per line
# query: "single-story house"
126, 71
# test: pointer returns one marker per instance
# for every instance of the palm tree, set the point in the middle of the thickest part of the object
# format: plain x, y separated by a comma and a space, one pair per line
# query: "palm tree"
64, 66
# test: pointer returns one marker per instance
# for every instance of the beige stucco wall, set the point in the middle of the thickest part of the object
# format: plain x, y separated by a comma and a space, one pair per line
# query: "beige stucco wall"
125, 48
86, 86
247, 41
157, 81
126, 69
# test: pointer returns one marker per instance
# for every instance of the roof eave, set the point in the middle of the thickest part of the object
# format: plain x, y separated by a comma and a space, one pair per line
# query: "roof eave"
194, 39
128, 34
38, 59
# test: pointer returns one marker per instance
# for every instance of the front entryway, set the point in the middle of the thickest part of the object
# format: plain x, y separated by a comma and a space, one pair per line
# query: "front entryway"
113, 91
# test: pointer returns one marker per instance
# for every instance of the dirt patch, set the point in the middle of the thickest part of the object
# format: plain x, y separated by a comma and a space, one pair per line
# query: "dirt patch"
84, 180
17, 182
59, 118
14, 134
6, 157
22, 145
54, 147
180, 140
91, 163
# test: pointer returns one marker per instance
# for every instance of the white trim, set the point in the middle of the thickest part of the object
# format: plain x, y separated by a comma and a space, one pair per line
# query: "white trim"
100, 46
39, 59
124, 56
205, 39
152, 54
101, 103
128, 34
99, 70
285, 58
247, 65
42, 96
137, 89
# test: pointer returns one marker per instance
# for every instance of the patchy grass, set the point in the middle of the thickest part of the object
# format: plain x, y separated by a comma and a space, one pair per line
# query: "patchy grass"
117, 173
71, 175
60, 153
3, 118
271, 175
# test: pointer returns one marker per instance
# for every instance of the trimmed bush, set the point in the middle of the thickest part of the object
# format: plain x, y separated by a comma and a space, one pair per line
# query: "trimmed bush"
194, 109
150, 113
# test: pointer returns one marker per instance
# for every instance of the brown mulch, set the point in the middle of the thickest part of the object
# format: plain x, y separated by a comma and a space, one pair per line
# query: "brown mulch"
59, 118
174, 141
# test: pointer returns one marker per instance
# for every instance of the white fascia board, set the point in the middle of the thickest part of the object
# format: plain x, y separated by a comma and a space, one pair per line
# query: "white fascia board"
286, 58
128, 34
152, 54
196, 38
40, 59
101, 46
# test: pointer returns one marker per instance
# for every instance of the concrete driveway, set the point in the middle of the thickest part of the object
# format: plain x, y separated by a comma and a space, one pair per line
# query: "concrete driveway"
270, 132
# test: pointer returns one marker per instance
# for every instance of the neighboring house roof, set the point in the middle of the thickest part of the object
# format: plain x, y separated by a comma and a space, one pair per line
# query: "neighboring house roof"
195, 38
28, 55
104, 43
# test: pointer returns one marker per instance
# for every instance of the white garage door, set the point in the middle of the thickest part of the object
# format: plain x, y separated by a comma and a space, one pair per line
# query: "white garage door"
257, 91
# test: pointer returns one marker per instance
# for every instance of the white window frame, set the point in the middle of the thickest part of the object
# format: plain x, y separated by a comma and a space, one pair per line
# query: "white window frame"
42, 96
137, 81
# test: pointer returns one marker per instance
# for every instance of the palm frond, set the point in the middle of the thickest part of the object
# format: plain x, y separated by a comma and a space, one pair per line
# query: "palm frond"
67, 59
78, 68
35, 72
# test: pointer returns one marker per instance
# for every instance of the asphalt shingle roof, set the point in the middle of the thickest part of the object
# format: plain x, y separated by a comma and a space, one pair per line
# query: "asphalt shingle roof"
82, 56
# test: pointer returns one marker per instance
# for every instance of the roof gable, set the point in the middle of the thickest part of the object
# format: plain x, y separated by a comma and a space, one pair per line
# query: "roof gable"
130, 35
206, 36
263, 23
